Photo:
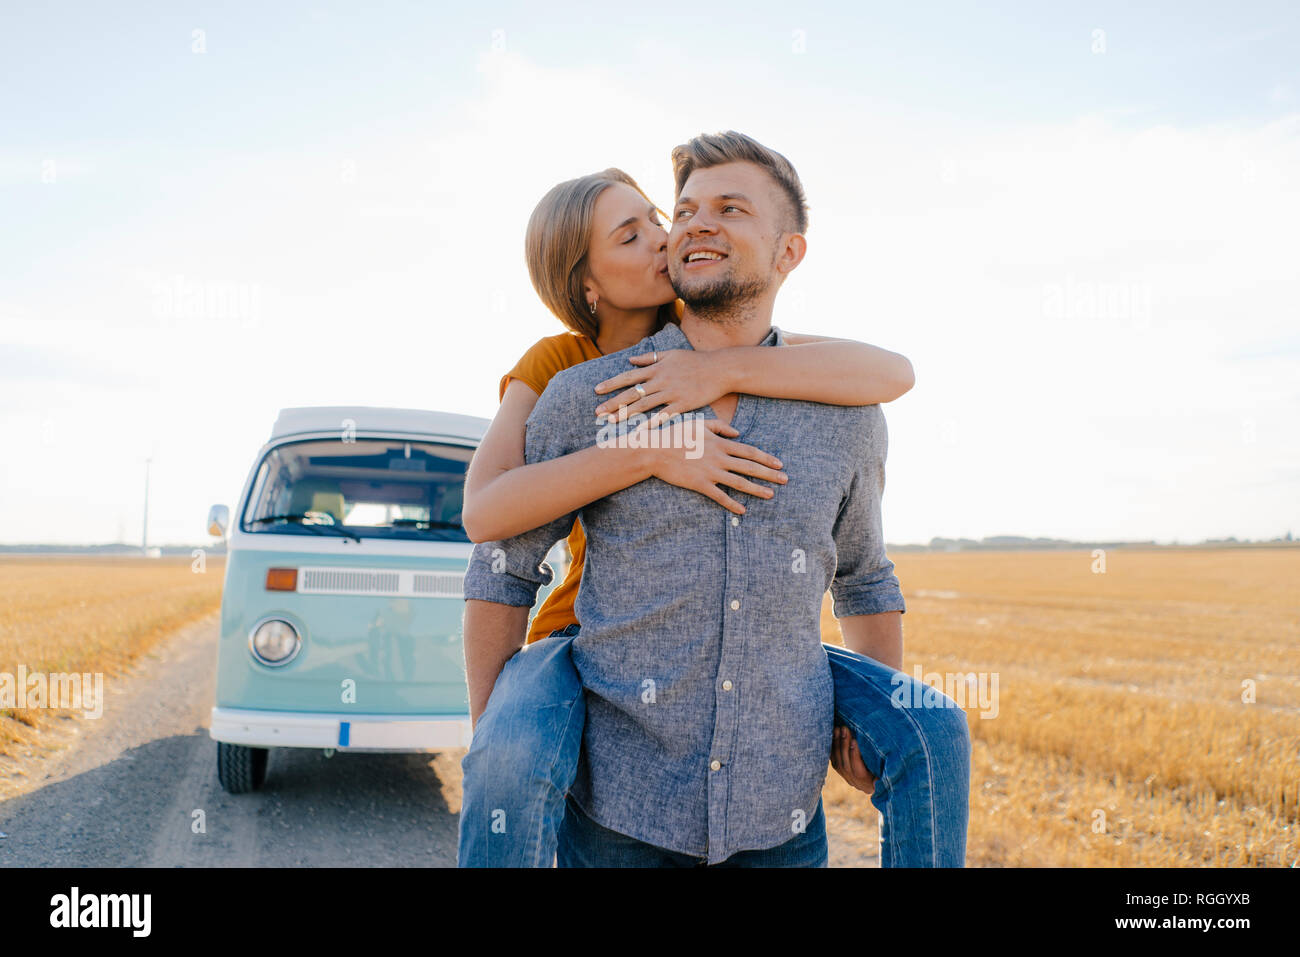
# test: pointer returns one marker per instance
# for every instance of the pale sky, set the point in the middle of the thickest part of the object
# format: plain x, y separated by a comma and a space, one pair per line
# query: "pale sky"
1078, 223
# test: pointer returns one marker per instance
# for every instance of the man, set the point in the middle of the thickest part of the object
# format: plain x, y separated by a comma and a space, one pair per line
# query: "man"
709, 696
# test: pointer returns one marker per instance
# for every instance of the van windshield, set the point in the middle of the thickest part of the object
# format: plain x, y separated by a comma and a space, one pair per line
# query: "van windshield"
361, 488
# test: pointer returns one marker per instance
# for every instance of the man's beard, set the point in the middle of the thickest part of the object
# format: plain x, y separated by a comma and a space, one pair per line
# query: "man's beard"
723, 299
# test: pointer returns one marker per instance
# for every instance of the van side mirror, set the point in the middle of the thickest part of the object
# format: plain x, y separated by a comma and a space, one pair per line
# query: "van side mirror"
218, 521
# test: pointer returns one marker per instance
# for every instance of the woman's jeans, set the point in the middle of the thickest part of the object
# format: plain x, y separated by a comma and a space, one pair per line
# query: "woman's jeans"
524, 757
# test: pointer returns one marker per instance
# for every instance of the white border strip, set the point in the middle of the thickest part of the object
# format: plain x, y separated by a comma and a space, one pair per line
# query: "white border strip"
366, 732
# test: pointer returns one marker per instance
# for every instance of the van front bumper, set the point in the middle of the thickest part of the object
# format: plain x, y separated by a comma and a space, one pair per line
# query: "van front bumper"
354, 732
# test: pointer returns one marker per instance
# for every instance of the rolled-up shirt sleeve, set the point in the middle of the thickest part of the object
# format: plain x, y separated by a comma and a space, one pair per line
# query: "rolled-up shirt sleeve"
511, 571
864, 582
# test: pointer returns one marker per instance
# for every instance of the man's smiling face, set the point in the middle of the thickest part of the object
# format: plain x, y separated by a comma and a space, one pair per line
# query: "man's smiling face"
726, 231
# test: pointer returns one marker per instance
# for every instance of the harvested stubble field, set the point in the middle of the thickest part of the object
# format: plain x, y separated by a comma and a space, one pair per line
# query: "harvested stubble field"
1146, 716
1125, 734
89, 614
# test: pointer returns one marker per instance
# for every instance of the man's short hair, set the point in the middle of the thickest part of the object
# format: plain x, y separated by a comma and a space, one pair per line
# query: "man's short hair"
714, 149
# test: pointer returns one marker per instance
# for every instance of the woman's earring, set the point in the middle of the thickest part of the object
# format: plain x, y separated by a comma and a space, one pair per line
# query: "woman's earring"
593, 307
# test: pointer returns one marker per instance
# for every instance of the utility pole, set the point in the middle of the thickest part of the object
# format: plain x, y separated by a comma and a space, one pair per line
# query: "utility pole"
144, 535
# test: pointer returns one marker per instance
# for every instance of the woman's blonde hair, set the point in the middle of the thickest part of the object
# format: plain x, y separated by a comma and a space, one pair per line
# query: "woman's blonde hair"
556, 244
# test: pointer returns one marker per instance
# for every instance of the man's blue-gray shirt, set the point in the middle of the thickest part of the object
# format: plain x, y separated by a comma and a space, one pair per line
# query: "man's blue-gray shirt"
709, 696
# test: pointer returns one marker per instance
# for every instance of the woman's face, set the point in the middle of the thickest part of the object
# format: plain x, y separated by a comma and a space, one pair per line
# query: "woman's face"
627, 258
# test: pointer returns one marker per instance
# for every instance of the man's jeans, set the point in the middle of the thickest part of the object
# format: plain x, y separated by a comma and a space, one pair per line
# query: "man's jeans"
524, 757
584, 843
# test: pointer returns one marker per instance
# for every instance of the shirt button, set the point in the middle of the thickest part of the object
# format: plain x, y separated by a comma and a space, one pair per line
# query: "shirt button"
726, 686
734, 604
715, 765
735, 520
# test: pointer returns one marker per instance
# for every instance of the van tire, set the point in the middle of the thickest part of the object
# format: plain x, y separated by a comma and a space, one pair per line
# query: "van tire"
239, 768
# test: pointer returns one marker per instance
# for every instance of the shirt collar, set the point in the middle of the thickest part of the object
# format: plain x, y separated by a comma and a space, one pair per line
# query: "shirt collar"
672, 337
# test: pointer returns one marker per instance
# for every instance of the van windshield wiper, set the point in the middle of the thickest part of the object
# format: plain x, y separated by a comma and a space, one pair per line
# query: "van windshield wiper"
301, 519
421, 523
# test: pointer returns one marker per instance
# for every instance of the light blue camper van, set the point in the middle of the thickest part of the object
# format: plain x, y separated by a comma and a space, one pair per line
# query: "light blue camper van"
341, 614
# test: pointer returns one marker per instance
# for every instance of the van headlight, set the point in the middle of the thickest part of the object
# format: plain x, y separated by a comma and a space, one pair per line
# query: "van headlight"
274, 641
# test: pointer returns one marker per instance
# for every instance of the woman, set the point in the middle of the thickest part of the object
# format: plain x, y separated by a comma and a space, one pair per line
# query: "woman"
595, 248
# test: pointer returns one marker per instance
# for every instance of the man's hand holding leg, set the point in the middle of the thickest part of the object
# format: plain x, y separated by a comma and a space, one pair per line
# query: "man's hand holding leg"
879, 637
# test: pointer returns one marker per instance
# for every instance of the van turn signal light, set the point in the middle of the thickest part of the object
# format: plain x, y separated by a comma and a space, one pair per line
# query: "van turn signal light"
282, 579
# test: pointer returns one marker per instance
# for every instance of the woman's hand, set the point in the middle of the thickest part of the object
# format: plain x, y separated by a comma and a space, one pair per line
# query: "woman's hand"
720, 462
682, 380
847, 760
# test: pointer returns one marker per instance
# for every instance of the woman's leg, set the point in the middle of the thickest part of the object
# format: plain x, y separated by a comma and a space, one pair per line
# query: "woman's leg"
523, 759
915, 741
